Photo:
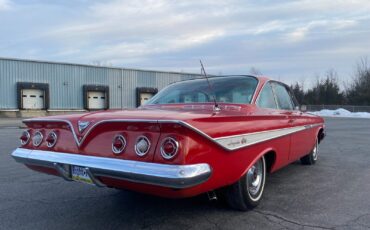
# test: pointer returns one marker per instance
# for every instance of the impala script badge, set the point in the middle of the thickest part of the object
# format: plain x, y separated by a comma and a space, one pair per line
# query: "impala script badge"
82, 125
237, 143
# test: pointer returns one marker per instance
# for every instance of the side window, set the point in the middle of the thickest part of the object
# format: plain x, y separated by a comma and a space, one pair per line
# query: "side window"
283, 97
266, 98
294, 100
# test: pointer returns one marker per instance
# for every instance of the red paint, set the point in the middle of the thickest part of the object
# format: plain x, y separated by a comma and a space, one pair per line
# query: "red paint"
227, 166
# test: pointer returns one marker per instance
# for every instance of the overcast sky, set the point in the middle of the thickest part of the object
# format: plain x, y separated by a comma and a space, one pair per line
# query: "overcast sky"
287, 40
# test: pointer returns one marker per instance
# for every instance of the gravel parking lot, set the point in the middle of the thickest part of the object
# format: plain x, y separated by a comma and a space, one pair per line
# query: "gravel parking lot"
333, 194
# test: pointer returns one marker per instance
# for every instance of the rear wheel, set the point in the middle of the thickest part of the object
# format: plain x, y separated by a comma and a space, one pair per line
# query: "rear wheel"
247, 192
311, 158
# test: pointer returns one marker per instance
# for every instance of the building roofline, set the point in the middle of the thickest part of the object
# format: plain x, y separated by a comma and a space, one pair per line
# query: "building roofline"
95, 66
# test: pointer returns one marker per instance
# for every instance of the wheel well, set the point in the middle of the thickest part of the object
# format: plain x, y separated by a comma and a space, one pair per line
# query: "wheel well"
270, 158
320, 135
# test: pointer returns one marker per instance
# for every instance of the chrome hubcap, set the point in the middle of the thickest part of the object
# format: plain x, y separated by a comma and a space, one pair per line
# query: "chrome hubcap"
254, 178
314, 152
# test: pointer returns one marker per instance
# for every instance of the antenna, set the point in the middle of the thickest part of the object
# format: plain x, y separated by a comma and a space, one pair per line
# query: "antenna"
217, 108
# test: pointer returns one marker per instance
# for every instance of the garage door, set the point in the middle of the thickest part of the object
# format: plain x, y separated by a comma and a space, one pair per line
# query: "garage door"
33, 99
96, 99
144, 97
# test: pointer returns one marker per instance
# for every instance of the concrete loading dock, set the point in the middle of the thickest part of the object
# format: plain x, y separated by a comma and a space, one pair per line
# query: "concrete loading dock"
36, 88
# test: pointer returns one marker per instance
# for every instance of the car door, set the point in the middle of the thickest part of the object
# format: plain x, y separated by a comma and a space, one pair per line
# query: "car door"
303, 141
301, 138
276, 117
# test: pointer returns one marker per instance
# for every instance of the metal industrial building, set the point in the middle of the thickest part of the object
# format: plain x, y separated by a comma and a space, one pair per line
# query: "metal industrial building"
52, 87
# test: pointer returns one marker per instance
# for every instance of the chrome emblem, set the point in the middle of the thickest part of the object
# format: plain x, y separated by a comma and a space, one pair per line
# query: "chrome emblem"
243, 141
82, 125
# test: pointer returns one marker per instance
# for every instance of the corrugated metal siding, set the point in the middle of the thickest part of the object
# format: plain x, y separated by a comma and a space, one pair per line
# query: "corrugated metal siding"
66, 82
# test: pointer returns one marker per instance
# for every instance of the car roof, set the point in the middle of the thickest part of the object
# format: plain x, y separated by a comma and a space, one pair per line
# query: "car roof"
261, 79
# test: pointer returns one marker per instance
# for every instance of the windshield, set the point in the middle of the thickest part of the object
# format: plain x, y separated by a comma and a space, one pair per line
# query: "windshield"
228, 89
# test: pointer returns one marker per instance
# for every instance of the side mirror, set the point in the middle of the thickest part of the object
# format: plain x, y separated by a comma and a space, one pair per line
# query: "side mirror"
303, 108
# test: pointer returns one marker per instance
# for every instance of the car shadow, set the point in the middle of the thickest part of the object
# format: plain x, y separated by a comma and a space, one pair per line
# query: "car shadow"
143, 202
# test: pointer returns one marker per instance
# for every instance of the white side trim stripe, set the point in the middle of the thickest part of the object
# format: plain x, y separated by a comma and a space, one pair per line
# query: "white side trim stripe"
240, 141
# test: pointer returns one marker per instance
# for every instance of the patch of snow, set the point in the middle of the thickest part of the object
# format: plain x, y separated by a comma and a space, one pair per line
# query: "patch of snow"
340, 113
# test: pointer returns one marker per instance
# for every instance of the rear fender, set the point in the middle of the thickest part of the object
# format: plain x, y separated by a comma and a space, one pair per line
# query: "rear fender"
259, 156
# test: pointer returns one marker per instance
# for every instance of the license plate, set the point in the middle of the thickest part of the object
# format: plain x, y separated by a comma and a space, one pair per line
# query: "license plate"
80, 174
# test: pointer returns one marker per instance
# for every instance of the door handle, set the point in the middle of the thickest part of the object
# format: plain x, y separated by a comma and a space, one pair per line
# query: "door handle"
291, 120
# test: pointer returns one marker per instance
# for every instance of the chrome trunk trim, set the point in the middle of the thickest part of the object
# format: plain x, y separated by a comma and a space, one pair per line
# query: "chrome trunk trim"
221, 141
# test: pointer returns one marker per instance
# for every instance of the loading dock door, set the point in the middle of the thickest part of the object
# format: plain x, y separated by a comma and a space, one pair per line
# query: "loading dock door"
96, 99
144, 97
33, 99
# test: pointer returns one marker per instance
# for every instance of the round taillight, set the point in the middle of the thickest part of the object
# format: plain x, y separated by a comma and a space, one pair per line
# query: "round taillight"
51, 140
169, 148
25, 138
37, 139
142, 146
119, 144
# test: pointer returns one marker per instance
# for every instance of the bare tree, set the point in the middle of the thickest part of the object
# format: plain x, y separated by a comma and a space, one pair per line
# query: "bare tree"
101, 63
97, 63
254, 71
358, 92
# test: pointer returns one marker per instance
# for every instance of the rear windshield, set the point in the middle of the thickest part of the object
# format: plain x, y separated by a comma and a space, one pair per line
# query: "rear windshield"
228, 89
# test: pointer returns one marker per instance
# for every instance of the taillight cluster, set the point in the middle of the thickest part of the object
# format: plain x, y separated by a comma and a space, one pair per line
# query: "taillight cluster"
119, 144
25, 138
169, 146
142, 146
51, 140
38, 137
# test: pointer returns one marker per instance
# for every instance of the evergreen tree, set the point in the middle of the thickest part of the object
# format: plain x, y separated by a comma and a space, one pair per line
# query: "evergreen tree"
325, 91
298, 92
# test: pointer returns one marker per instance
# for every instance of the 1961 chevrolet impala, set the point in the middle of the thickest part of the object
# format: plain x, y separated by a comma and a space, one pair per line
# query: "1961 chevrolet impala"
220, 136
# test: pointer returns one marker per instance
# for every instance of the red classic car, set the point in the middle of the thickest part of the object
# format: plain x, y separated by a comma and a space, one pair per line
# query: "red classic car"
219, 135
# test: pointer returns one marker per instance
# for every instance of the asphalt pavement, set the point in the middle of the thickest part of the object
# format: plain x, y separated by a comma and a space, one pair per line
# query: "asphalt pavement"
333, 194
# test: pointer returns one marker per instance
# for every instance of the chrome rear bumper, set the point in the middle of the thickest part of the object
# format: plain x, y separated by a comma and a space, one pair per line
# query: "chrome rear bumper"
166, 175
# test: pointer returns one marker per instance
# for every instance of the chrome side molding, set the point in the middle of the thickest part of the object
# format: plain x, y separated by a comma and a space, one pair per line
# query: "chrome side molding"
248, 139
